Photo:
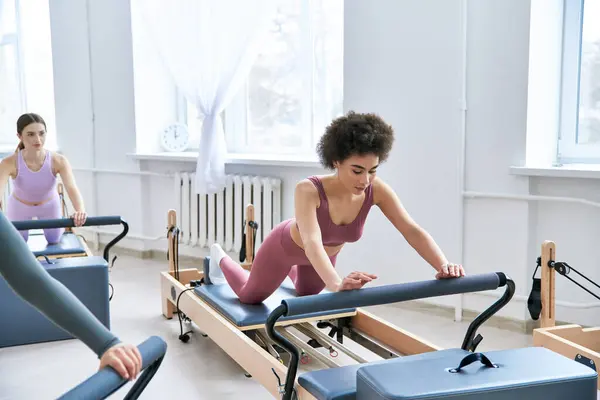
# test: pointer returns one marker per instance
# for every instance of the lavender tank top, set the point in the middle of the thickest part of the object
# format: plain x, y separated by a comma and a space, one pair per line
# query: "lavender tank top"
34, 186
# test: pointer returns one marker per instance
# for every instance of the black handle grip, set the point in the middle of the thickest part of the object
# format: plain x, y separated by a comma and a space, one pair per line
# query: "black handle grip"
65, 222
470, 359
107, 381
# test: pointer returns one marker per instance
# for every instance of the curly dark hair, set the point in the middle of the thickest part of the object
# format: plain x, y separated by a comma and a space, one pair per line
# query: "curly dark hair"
355, 134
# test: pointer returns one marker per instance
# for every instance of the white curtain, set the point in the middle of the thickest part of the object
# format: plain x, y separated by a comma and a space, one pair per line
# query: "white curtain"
209, 47
1, 19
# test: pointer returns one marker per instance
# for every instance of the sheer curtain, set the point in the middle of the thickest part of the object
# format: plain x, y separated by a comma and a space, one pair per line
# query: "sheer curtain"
1, 20
209, 47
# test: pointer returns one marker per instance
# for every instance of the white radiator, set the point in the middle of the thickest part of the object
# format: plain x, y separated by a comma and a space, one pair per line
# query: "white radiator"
7, 193
206, 219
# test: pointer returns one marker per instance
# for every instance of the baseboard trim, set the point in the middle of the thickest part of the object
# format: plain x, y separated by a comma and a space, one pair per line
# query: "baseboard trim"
123, 250
511, 324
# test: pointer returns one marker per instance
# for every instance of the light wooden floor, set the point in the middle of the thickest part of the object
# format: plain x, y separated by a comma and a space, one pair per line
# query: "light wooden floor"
196, 370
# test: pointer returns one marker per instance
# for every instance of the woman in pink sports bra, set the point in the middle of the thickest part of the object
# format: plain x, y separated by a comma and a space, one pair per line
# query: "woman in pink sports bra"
33, 170
330, 210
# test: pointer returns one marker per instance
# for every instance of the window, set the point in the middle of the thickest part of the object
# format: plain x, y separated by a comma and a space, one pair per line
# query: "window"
26, 75
12, 101
295, 87
579, 138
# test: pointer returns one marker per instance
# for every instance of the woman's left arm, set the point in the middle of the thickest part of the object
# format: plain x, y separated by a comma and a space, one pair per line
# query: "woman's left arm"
420, 240
63, 167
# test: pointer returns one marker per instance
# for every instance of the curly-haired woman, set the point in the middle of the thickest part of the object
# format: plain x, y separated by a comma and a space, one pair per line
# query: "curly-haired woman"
331, 210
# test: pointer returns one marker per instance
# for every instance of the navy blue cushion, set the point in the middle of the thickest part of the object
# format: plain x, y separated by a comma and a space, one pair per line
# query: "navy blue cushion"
532, 373
340, 383
69, 244
85, 277
224, 299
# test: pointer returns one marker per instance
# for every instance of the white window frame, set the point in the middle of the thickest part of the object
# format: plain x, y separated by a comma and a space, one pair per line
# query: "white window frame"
569, 151
32, 99
13, 39
235, 116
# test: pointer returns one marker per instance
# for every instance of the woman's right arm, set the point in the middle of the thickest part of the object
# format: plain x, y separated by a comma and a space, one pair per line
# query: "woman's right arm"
5, 169
28, 279
306, 199
305, 206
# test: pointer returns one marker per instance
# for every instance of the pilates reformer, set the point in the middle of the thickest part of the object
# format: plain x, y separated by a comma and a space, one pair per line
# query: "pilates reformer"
570, 340
532, 373
260, 338
68, 223
86, 276
240, 329
107, 381
71, 244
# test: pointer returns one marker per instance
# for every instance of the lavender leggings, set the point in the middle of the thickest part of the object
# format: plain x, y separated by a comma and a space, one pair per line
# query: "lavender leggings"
278, 257
18, 211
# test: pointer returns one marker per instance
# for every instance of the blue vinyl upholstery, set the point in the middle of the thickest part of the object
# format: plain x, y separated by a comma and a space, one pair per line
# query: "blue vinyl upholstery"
531, 373
69, 244
85, 277
340, 383
223, 298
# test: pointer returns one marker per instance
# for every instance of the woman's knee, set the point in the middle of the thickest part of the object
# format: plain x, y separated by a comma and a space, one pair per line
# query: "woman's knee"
247, 297
303, 290
25, 235
53, 235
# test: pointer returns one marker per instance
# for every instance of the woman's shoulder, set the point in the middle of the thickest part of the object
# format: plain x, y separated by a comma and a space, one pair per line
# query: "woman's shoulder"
380, 190
9, 163
306, 190
57, 158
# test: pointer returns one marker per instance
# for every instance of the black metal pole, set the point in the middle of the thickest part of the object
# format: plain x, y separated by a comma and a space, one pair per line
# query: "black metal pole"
292, 370
485, 315
116, 240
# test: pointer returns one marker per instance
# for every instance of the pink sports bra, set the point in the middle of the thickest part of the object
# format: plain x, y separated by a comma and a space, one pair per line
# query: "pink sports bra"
333, 234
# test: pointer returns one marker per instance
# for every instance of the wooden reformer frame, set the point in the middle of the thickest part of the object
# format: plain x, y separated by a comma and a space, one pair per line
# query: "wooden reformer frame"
250, 346
572, 340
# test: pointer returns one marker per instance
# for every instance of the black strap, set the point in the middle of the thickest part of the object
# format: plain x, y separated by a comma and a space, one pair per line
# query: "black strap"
534, 302
471, 358
253, 225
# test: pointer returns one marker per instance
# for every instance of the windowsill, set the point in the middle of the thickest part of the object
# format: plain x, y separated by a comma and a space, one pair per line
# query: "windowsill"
6, 149
238, 159
564, 171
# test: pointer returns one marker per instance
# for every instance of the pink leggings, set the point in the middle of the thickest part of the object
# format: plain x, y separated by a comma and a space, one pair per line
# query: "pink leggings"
17, 211
278, 257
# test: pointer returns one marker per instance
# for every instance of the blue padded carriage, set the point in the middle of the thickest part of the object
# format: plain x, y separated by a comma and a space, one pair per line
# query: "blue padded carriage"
70, 244
85, 277
226, 302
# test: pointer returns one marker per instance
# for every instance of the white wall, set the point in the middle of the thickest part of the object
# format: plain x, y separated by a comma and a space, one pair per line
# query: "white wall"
403, 60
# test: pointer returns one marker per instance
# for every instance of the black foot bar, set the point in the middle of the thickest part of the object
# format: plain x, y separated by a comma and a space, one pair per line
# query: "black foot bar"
70, 223
107, 381
385, 295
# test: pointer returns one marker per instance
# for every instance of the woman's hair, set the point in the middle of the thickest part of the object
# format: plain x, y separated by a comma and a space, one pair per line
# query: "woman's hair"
23, 121
355, 134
